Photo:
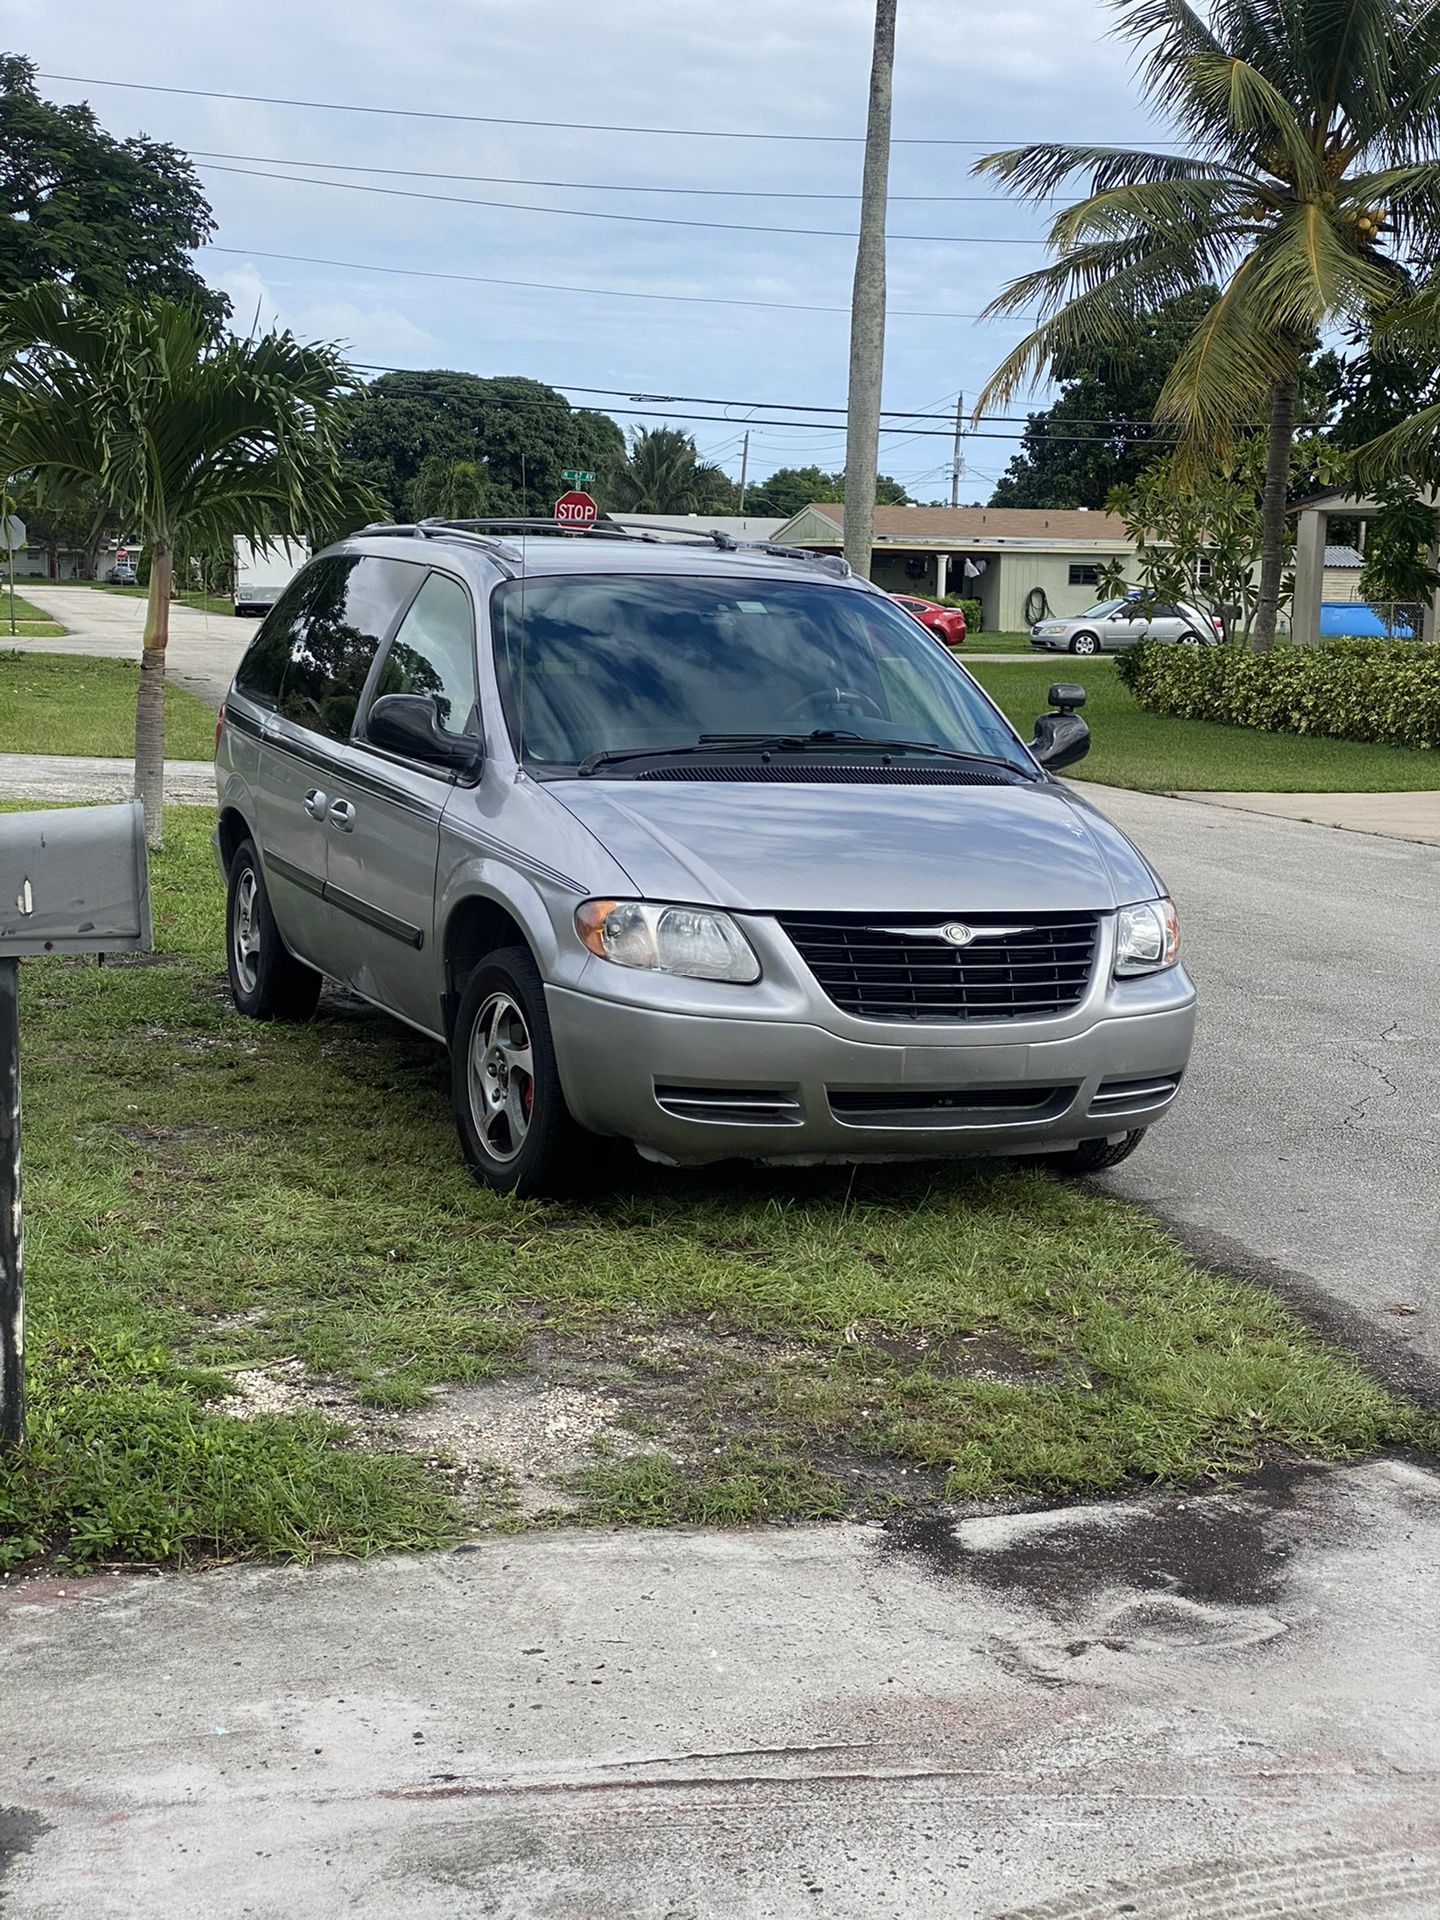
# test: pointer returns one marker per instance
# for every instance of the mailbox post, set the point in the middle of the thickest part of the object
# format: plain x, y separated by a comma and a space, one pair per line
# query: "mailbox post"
72, 880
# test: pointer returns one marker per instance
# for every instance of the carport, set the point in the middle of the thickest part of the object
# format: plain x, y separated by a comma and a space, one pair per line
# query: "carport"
1313, 517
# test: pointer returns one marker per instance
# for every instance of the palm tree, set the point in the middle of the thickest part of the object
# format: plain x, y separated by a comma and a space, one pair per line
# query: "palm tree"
867, 306
1311, 181
663, 473
449, 489
193, 440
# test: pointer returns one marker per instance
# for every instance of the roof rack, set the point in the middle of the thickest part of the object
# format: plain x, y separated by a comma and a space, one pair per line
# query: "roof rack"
504, 555
483, 531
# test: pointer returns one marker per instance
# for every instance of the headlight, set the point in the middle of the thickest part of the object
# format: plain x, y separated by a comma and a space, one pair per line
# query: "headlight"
1050, 630
694, 941
1147, 937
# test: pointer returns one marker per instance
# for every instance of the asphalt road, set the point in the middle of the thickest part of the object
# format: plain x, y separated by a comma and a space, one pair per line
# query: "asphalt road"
1307, 1136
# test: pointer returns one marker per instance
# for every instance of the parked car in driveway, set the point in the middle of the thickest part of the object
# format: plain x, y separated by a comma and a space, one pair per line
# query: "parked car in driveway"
946, 623
1120, 623
697, 846
120, 577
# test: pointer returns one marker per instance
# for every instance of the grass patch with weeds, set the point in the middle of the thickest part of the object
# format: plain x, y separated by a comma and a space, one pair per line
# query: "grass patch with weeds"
207, 1195
29, 619
68, 703
1154, 751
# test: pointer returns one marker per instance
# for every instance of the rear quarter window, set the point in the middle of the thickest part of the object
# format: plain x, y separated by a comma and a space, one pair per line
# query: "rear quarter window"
323, 635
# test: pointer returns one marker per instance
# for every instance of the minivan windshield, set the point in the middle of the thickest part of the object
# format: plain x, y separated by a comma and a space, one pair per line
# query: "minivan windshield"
604, 663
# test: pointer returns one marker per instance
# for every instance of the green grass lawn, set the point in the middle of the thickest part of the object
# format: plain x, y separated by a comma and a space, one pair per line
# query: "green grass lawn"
999, 643
29, 619
207, 1195
68, 703
1133, 748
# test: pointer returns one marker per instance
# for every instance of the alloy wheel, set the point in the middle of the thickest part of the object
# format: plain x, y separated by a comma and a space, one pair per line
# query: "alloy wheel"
245, 933
501, 1077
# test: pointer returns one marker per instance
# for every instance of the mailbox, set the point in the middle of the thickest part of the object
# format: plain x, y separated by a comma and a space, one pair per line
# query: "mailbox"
74, 880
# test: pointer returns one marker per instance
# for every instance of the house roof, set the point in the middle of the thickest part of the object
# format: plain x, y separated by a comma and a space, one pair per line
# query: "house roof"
1344, 557
979, 524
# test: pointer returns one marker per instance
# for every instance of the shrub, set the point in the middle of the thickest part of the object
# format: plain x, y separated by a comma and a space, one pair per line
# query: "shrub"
1383, 691
970, 609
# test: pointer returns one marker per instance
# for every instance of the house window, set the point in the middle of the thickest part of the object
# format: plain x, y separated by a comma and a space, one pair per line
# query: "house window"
1081, 576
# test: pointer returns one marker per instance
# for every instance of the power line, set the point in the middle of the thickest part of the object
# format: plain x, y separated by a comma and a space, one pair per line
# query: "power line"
562, 126
599, 213
608, 293
596, 186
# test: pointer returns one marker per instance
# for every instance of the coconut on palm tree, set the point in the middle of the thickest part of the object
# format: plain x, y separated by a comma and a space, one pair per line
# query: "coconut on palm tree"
1310, 183
192, 439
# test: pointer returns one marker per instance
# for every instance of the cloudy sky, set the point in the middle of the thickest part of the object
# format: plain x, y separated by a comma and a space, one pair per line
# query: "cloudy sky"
971, 73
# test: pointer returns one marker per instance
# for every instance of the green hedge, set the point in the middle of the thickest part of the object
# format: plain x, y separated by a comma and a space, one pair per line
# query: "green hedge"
1384, 691
970, 609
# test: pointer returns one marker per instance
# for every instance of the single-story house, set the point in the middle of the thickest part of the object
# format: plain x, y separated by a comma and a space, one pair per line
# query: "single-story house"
61, 563
1021, 563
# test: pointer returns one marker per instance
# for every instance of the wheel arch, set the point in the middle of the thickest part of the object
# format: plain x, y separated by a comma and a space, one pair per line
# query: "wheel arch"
478, 923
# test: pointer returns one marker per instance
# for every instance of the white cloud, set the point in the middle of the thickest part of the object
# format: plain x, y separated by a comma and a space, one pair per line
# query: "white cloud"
1018, 69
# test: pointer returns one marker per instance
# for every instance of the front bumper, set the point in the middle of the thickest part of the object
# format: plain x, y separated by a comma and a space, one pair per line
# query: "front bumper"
689, 1088
1051, 642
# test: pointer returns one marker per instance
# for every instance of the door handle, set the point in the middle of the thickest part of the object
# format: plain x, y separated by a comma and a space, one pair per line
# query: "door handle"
316, 803
342, 815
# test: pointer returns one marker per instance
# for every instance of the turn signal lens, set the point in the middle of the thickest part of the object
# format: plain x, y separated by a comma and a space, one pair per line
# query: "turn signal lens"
1147, 938
695, 942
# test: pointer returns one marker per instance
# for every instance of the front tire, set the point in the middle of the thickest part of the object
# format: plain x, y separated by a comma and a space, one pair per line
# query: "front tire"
1085, 643
517, 1133
1091, 1156
267, 982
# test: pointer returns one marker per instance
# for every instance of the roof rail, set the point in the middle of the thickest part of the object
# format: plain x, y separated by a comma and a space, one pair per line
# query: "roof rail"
483, 531
505, 556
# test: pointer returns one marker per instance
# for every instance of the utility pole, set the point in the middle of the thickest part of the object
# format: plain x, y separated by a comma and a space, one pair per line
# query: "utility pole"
867, 306
957, 460
744, 467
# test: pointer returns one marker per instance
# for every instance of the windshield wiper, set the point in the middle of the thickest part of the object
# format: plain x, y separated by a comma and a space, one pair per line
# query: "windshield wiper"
797, 743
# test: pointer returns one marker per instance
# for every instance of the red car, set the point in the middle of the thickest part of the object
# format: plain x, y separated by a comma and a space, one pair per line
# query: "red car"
946, 623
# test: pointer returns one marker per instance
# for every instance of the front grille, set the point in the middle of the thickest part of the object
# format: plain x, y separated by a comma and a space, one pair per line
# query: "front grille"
797, 773
964, 1107
733, 1106
896, 966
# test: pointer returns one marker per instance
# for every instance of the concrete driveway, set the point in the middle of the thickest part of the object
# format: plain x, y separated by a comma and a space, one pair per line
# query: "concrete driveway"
204, 650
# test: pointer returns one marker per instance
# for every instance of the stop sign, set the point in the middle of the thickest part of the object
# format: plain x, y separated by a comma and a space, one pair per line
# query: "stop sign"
575, 509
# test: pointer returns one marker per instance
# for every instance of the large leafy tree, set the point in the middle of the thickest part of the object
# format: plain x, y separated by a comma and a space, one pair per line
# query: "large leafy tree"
194, 440
1095, 435
1310, 184
790, 488
663, 473
105, 216
521, 433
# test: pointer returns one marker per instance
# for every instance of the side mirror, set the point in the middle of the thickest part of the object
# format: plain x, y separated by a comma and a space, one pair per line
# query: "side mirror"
1060, 740
1066, 697
409, 724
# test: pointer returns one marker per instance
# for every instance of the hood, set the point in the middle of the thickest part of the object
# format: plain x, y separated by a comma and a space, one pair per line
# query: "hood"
902, 849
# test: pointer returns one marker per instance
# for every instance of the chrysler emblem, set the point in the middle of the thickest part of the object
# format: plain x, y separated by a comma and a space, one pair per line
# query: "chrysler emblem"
956, 934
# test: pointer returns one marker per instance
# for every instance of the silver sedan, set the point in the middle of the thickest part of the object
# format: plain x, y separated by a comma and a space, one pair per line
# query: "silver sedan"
1120, 623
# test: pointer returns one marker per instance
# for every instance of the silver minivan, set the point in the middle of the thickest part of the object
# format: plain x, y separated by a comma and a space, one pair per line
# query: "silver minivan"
704, 847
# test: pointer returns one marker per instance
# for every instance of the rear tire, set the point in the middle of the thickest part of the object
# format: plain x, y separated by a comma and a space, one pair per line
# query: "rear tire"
1091, 1156
516, 1132
1189, 639
1085, 643
267, 982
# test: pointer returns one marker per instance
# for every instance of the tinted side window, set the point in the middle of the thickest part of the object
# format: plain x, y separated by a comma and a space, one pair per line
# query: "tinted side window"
263, 668
434, 652
343, 610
